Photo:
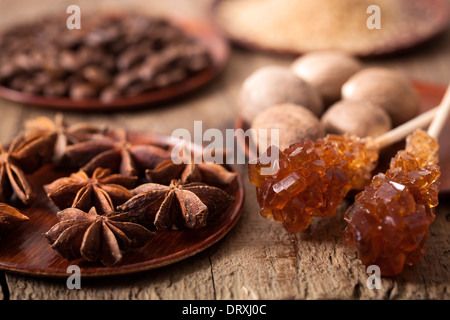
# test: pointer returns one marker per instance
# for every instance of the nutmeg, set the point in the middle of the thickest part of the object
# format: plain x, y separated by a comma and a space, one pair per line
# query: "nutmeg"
294, 122
360, 118
327, 71
272, 85
385, 88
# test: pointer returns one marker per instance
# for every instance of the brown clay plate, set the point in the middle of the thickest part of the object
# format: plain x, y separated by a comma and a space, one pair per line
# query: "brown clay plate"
430, 95
26, 251
200, 30
434, 13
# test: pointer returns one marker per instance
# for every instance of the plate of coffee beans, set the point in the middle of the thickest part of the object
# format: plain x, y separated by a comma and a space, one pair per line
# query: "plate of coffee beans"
114, 61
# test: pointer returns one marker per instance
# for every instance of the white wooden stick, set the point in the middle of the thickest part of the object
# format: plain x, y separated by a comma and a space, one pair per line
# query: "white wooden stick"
441, 116
400, 132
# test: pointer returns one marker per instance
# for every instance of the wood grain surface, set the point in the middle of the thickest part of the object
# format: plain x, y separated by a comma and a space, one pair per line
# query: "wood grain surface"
257, 259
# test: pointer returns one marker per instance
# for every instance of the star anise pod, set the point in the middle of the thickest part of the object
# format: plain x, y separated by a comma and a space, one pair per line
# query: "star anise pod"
102, 190
10, 218
65, 134
177, 205
95, 237
114, 150
212, 174
24, 155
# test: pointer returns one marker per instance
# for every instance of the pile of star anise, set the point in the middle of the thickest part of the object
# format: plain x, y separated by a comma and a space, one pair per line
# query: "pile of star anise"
123, 188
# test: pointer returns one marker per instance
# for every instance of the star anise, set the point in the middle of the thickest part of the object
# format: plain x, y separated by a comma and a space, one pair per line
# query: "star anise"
102, 190
212, 174
95, 237
114, 150
24, 155
65, 134
177, 205
10, 218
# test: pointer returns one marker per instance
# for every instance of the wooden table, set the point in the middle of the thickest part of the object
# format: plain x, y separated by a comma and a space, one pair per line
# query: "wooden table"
257, 259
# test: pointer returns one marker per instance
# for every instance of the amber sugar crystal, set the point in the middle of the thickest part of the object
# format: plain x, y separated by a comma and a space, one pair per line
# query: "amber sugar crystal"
389, 221
312, 179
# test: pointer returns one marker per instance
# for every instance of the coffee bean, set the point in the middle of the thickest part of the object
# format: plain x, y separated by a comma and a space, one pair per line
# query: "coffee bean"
126, 79
68, 60
129, 58
6, 71
96, 75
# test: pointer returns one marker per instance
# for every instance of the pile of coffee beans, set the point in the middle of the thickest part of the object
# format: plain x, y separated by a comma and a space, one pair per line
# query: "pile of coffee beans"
109, 57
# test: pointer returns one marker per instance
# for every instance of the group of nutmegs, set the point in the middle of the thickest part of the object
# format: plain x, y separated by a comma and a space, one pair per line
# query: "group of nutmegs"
124, 187
326, 92
109, 57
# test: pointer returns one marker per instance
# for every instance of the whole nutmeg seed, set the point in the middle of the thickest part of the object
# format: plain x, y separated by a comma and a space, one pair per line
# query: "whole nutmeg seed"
385, 88
272, 85
360, 118
327, 71
293, 122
